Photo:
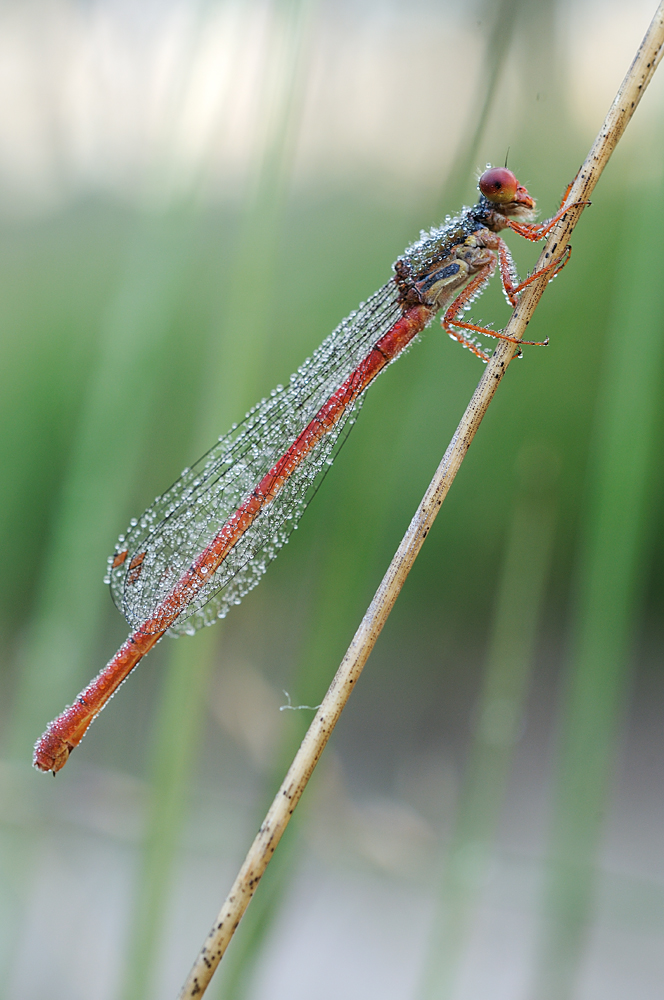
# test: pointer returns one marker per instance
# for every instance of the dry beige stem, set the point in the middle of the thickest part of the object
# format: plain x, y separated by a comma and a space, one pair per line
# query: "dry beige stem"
264, 845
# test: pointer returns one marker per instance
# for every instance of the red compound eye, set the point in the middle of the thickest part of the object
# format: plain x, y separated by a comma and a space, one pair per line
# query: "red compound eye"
498, 185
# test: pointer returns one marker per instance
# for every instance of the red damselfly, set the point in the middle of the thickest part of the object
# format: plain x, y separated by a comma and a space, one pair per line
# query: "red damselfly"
207, 541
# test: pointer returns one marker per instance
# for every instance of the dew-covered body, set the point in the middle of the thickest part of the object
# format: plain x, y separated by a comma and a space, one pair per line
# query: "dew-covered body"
207, 541
435, 268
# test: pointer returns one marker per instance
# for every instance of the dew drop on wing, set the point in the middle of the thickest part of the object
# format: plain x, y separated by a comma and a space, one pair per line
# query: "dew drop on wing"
189, 515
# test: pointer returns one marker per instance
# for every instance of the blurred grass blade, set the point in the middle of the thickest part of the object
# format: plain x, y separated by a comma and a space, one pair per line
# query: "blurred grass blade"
610, 583
503, 18
254, 269
58, 651
232, 377
499, 719
336, 593
113, 425
178, 722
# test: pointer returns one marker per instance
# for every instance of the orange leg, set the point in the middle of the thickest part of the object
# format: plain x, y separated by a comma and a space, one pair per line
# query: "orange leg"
498, 334
450, 321
473, 288
555, 266
508, 273
510, 282
538, 231
463, 299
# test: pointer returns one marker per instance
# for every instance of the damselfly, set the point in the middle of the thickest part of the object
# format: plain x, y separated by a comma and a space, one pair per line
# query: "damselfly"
207, 540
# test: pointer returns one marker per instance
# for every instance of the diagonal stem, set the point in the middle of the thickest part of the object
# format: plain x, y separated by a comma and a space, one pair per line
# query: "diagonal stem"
637, 79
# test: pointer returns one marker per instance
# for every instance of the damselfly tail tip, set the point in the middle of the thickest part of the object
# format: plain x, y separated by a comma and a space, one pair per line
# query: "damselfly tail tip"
51, 752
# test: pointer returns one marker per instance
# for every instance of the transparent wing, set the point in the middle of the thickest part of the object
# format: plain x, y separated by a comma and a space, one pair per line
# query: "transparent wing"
244, 566
159, 547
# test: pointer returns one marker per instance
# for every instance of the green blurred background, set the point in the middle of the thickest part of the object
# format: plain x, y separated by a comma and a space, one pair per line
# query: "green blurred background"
193, 195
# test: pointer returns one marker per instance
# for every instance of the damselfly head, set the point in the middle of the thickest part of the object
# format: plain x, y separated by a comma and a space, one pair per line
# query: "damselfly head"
501, 188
